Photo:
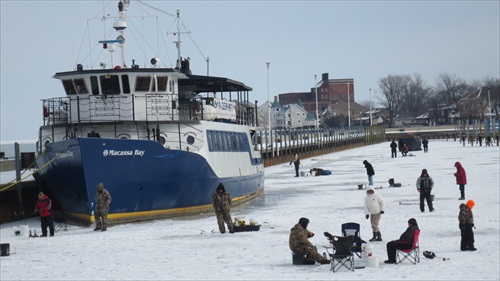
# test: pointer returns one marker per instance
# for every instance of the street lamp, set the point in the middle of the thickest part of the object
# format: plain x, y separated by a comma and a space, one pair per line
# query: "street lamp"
269, 107
370, 101
316, 90
348, 105
489, 107
208, 63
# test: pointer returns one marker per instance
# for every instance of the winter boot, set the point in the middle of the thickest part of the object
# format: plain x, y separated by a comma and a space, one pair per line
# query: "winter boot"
379, 236
374, 238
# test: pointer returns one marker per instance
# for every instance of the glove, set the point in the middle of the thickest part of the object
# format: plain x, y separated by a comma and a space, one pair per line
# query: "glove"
367, 216
381, 212
418, 190
462, 227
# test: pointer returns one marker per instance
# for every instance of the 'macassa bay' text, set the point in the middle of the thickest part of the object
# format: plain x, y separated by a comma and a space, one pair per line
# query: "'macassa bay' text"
111, 152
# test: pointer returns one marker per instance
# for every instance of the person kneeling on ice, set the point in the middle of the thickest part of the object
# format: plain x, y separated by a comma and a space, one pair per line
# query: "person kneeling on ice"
300, 245
404, 242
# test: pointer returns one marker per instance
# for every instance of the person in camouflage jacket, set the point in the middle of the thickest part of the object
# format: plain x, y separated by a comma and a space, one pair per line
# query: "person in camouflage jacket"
299, 243
221, 201
466, 223
102, 200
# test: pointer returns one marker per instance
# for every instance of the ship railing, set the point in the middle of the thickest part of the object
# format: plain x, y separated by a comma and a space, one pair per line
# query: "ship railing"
149, 107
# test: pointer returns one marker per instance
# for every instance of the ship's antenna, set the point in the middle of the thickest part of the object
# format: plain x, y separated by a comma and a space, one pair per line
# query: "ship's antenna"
120, 25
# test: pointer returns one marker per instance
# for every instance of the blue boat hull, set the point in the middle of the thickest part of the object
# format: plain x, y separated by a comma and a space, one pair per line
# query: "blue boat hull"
145, 180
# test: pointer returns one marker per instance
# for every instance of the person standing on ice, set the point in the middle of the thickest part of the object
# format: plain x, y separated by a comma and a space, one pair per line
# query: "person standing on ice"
394, 149
44, 208
300, 245
466, 223
221, 201
102, 200
369, 171
461, 178
296, 162
424, 187
374, 208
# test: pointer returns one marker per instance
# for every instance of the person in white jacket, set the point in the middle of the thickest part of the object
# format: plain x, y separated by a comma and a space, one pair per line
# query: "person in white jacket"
374, 208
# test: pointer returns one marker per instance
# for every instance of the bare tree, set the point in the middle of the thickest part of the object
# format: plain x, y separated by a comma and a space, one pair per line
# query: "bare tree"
493, 86
394, 88
416, 98
453, 88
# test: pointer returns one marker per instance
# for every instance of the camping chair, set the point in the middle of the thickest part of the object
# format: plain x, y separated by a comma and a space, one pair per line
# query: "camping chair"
352, 228
59, 221
342, 255
410, 254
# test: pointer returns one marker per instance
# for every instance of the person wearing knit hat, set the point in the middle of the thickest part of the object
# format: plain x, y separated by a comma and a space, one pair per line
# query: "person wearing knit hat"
466, 224
369, 171
300, 245
424, 187
404, 242
374, 208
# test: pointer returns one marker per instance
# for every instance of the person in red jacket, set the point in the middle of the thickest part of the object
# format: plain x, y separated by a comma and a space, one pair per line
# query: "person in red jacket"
461, 179
44, 208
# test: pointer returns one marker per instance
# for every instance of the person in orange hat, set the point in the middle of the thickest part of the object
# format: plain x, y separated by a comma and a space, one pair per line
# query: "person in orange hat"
466, 223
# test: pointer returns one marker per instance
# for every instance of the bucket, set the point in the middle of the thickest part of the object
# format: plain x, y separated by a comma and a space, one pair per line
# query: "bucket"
366, 251
373, 261
313, 173
5, 249
302, 174
360, 186
24, 230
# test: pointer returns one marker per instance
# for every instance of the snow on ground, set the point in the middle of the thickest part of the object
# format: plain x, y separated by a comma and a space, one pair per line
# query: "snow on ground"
186, 248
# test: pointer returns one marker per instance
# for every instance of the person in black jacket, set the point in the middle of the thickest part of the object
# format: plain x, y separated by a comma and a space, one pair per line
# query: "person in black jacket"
404, 242
369, 171
394, 149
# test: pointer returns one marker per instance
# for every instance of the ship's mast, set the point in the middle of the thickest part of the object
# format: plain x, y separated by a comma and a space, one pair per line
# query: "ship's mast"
120, 25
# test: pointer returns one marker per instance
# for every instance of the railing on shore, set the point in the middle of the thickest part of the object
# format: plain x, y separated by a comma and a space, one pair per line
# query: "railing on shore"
278, 147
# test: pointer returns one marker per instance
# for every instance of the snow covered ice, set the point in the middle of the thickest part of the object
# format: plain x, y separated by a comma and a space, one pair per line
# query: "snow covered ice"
185, 248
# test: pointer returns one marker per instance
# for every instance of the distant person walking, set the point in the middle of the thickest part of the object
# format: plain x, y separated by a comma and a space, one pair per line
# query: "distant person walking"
424, 187
425, 143
44, 208
394, 149
466, 223
221, 201
369, 171
461, 178
296, 162
102, 200
374, 208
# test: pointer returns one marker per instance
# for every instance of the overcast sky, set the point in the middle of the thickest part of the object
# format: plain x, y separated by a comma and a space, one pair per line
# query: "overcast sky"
362, 40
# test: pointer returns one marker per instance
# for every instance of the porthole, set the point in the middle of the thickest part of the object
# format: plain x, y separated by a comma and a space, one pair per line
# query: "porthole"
190, 139
162, 140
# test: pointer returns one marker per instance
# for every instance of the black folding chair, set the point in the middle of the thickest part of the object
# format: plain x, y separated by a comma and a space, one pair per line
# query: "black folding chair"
342, 257
59, 221
352, 228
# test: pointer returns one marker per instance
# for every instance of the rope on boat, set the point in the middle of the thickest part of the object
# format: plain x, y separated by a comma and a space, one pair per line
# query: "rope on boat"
14, 182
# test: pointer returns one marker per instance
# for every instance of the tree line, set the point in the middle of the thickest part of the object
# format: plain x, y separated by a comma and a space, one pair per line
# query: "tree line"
411, 94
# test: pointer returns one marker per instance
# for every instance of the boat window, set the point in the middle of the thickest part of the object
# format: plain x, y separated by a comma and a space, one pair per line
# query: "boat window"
68, 87
142, 83
162, 83
94, 85
80, 86
110, 84
125, 84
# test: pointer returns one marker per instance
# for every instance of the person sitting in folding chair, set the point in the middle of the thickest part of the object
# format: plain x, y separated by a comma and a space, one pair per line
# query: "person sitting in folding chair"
404, 242
300, 245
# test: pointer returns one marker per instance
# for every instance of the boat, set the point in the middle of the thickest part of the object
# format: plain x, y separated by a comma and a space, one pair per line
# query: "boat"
160, 139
